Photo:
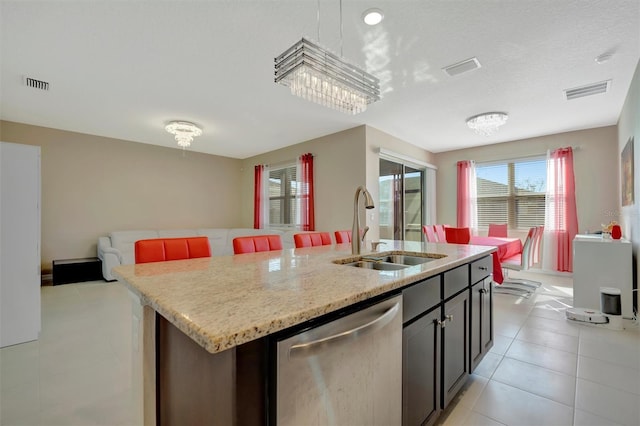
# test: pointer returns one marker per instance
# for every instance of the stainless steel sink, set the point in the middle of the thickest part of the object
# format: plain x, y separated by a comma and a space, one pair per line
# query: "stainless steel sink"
392, 261
379, 266
404, 259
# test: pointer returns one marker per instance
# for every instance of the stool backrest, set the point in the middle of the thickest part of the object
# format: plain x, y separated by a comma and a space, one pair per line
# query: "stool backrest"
498, 230
255, 243
343, 237
429, 233
311, 239
457, 235
163, 249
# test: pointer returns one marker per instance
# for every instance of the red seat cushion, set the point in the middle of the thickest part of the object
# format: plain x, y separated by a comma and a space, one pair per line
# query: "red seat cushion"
254, 243
457, 235
243, 245
161, 249
343, 237
176, 249
261, 243
198, 247
311, 239
149, 251
498, 230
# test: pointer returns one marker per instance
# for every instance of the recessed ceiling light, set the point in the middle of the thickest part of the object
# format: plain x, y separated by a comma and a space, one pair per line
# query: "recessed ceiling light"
372, 16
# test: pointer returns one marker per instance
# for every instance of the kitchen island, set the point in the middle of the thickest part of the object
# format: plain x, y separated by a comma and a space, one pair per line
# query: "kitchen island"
223, 310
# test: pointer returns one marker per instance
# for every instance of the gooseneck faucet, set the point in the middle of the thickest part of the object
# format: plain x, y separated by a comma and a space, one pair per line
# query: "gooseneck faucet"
356, 239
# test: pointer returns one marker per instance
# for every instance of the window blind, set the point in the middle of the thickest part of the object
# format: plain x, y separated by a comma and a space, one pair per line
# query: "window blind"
512, 192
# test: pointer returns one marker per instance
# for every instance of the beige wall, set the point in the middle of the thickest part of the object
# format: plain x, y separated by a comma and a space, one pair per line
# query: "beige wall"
629, 127
339, 168
342, 162
595, 167
93, 185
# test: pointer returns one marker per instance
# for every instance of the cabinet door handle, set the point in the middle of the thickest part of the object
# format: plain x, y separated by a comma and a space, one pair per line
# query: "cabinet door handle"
448, 317
482, 291
483, 268
440, 323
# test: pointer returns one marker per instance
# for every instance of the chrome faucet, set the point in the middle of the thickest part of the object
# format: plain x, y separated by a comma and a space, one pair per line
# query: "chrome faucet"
356, 239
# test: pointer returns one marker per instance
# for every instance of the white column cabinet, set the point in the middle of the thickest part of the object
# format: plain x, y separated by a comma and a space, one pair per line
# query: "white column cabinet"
599, 262
19, 243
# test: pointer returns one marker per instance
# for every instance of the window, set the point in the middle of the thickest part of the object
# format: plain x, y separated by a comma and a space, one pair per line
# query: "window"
283, 203
512, 192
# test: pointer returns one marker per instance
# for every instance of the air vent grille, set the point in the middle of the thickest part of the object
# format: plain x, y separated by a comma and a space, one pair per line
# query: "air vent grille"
461, 67
588, 90
36, 84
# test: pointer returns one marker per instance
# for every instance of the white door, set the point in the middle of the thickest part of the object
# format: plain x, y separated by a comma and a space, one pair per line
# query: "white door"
19, 243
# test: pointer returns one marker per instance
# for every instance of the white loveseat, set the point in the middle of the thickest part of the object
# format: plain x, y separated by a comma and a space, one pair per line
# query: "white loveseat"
118, 248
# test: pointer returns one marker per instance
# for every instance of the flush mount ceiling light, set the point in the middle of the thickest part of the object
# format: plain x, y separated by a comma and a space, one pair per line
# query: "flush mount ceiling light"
184, 132
372, 16
315, 74
487, 123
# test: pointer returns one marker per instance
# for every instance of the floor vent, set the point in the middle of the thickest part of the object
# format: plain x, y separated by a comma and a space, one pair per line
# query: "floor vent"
461, 67
36, 84
588, 90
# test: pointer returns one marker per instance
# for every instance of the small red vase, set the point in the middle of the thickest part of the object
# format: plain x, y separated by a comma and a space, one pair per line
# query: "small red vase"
616, 232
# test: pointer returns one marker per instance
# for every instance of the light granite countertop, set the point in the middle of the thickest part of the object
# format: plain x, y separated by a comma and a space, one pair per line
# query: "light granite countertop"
221, 302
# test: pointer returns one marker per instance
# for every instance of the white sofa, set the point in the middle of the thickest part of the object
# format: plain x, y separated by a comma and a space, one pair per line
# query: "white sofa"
118, 248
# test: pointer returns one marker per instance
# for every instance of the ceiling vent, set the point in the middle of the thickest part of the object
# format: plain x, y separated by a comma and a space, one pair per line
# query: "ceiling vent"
461, 67
588, 90
36, 84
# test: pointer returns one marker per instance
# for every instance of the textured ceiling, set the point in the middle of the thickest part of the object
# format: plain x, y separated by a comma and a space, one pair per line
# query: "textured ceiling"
123, 69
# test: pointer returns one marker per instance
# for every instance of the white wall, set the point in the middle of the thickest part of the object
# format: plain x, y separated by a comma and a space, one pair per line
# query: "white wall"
629, 127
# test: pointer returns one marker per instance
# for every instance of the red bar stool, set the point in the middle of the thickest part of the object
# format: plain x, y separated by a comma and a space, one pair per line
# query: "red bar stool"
255, 243
440, 233
457, 235
343, 237
498, 230
430, 233
162, 249
312, 239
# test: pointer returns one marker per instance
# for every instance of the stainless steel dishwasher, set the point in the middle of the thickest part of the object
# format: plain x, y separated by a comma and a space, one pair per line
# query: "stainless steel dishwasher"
344, 372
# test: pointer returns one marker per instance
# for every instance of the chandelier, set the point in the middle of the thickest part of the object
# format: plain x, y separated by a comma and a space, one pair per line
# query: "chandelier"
315, 74
488, 123
184, 132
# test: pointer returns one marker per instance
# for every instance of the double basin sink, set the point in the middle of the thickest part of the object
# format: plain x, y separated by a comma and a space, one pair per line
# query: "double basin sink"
390, 261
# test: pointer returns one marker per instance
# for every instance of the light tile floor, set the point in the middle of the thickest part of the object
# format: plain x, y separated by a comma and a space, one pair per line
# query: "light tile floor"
546, 370
542, 370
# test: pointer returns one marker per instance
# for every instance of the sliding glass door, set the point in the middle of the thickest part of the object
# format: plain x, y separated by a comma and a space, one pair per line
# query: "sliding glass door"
401, 201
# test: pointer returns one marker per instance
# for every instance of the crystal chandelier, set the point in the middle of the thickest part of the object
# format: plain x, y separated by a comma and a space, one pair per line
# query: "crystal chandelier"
184, 132
488, 123
319, 76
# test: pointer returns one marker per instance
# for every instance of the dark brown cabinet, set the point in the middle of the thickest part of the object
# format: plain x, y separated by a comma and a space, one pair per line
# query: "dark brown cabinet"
421, 353
448, 328
455, 340
481, 324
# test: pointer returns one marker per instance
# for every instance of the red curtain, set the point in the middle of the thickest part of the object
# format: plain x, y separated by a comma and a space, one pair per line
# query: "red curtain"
257, 197
561, 218
307, 215
467, 199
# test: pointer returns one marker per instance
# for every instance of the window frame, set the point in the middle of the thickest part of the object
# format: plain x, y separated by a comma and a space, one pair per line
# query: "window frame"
287, 199
513, 195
